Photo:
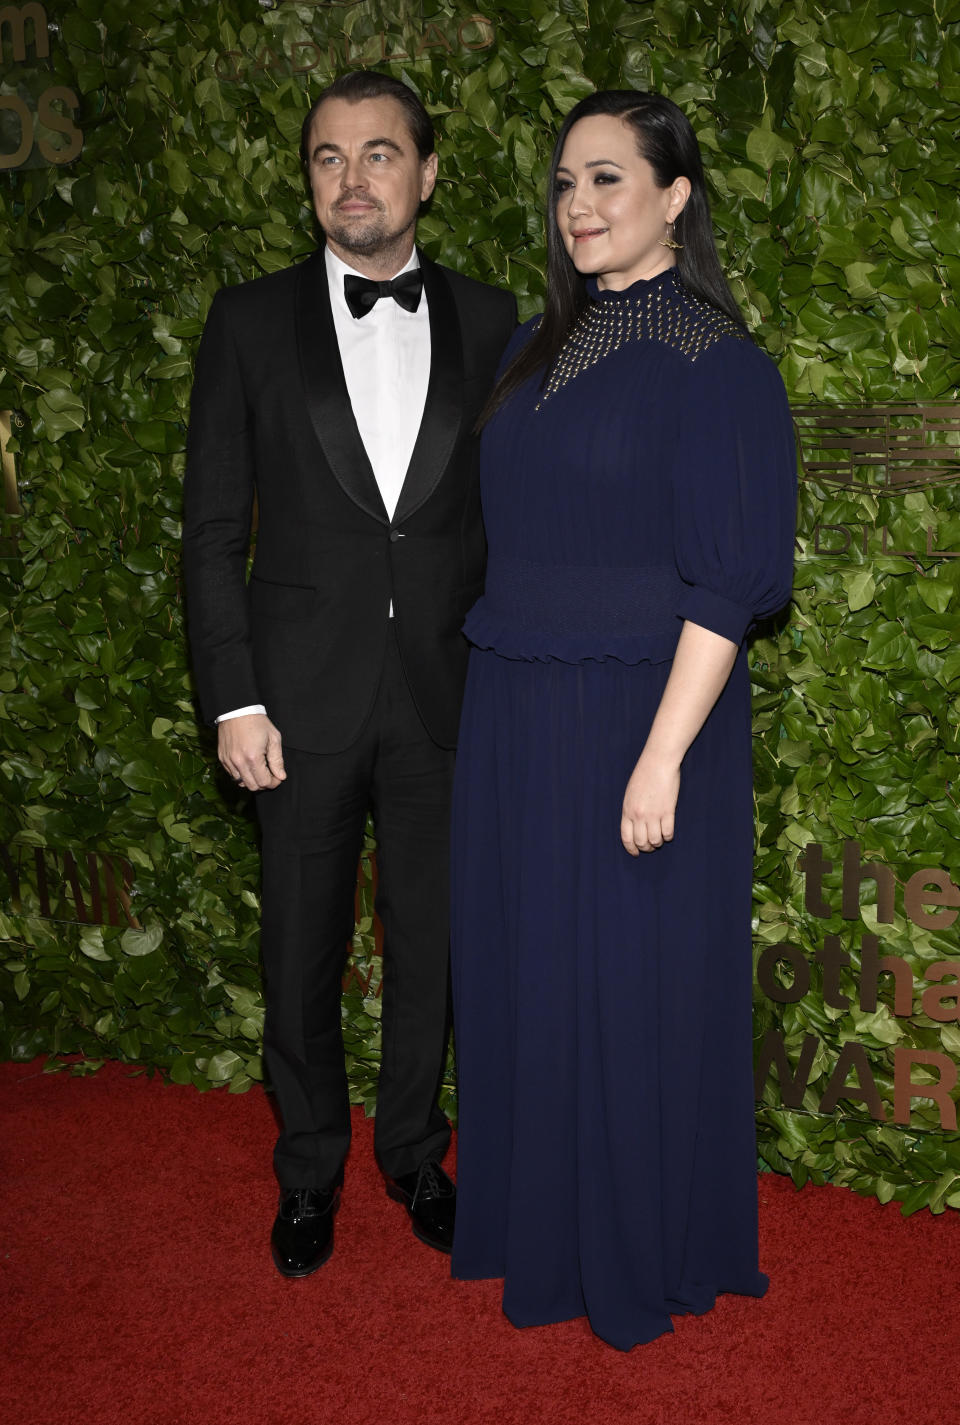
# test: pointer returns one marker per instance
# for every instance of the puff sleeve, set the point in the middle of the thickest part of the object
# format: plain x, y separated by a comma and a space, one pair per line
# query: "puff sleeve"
734, 491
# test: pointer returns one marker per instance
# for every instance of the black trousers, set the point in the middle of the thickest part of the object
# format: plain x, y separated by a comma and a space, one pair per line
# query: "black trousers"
312, 830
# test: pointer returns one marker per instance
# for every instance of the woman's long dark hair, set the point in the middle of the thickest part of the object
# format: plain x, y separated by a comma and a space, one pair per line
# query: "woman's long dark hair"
668, 143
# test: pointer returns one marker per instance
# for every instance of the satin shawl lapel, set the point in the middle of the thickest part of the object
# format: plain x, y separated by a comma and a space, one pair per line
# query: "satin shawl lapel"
443, 410
325, 389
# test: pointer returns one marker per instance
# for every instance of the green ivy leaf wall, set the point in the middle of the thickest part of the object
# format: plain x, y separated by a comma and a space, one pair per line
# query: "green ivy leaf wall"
128, 872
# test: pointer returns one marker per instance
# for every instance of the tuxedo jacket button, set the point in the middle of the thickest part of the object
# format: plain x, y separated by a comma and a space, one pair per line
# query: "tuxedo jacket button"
395, 535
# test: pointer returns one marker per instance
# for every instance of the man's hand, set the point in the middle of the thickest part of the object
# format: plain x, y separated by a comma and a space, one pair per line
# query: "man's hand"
249, 750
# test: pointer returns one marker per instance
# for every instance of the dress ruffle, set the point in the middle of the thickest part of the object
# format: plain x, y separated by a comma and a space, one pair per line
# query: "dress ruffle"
488, 629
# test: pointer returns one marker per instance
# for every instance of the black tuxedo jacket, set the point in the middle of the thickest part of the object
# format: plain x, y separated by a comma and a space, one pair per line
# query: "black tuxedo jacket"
270, 414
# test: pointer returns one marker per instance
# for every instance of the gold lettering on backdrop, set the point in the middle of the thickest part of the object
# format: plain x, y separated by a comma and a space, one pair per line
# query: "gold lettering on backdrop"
353, 974
83, 888
47, 117
8, 464
885, 450
387, 56
51, 118
232, 72
10, 103
930, 901
13, 24
433, 38
268, 59
838, 529
833, 959
852, 1058
27, 128
473, 33
772, 987
917, 894
486, 32
795, 1081
942, 1005
295, 63
352, 54
836, 539
906, 1087
856, 872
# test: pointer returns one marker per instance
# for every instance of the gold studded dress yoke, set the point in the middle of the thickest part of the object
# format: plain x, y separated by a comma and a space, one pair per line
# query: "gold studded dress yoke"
646, 480
663, 312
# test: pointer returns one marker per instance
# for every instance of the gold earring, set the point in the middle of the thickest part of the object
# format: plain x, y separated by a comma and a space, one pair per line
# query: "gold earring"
669, 241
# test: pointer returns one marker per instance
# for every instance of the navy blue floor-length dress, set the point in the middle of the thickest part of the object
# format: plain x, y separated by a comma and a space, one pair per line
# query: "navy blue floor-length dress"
606, 1160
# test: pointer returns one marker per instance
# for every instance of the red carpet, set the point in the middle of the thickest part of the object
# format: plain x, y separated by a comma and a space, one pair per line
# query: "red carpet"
136, 1288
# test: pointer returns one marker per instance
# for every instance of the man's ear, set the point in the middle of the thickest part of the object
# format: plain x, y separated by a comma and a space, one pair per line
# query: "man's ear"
428, 177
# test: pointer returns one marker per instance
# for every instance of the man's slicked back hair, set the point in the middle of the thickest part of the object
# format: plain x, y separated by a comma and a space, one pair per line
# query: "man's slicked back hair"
360, 84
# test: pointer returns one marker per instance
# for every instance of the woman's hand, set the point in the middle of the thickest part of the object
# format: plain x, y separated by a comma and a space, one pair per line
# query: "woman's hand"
701, 667
649, 804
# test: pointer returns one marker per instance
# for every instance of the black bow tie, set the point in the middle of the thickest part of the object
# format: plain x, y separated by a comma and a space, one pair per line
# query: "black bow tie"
362, 293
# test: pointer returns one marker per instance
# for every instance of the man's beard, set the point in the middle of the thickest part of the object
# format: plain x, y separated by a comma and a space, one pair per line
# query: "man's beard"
368, 238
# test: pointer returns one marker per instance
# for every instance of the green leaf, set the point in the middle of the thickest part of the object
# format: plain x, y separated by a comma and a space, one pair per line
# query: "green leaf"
860, 588
62, 411
793, 754
224, 1065
765, 148
861, 281
936, 594
91, 943
144, 561
139, 775
158, 436
912, 337
916, 1198
78, 31
141, 942
747, 181
887, 646
853, 333
477, 100
178, 172
900, 236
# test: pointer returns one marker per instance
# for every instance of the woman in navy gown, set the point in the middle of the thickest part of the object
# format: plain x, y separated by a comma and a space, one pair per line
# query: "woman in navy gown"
638, 485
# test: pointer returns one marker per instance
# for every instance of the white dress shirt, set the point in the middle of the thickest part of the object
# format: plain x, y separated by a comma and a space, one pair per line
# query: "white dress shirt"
386, 363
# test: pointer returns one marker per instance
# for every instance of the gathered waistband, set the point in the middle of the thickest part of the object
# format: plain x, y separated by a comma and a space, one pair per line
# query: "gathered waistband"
577, 612
585, 598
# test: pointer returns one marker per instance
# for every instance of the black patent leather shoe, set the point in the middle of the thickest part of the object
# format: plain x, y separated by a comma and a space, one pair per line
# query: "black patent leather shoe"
431, 1202
302, 1236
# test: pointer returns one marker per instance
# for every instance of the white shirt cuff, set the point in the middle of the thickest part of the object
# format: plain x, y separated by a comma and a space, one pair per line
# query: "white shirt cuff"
241, 712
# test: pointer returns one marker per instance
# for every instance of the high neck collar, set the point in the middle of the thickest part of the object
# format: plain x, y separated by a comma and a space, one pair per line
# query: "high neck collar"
669, 277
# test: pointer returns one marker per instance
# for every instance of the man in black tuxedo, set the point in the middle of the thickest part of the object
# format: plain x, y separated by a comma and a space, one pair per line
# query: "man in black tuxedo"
344, 392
